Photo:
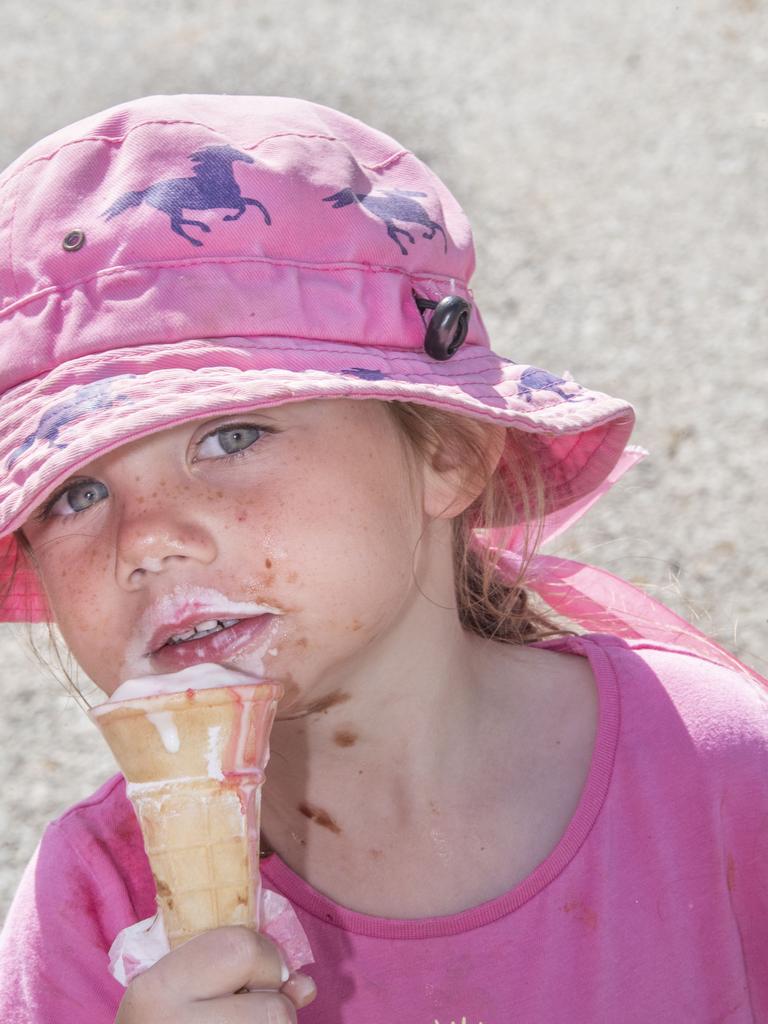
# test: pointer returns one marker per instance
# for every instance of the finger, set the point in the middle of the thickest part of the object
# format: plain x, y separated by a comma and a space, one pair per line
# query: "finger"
243, 1009
217, 963
300, 989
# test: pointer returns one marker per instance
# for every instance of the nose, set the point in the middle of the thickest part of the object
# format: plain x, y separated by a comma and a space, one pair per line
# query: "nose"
158, 540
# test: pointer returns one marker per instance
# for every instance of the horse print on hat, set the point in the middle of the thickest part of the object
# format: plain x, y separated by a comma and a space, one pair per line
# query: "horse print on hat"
363, 374
390, 205
212, 186
88, 398
533, 381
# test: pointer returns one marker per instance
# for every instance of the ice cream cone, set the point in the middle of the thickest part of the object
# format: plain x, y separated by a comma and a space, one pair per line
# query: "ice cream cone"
194, 765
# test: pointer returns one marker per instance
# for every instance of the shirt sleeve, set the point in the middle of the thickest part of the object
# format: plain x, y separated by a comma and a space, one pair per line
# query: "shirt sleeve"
53, 946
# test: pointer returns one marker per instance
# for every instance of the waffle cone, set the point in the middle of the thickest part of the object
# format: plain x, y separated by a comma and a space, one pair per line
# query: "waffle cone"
194, 765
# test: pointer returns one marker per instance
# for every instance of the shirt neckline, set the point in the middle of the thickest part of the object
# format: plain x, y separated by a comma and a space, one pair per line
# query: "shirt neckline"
276, 873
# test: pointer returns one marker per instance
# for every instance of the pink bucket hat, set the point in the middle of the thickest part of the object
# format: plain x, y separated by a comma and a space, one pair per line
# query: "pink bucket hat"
178, 257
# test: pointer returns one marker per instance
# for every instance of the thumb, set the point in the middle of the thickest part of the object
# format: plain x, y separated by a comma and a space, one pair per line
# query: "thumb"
300, 989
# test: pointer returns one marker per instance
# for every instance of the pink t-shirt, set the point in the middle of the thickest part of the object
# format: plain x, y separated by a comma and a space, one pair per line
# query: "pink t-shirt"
652, 908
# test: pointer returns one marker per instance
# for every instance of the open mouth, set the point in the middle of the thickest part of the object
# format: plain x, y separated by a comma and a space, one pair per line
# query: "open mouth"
202, 629
214, 640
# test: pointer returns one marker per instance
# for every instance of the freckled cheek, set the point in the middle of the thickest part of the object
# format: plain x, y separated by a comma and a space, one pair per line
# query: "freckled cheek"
91, 639
235, 515
233, 510
344, 566
69, 571
72, 577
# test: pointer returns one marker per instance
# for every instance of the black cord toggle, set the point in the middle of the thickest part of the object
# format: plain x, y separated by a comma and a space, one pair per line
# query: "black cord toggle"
448, 326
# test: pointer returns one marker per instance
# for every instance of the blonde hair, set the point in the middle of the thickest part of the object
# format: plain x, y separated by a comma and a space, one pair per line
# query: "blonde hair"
489, 604
515, 492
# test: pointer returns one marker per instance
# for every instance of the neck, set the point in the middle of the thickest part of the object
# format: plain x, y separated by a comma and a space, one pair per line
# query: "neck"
390, 760
406, 747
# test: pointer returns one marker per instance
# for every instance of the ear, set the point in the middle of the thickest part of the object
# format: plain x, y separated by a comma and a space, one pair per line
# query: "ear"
450, 484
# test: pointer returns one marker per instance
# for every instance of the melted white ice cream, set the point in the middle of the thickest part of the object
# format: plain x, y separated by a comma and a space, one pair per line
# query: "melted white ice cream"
195, 677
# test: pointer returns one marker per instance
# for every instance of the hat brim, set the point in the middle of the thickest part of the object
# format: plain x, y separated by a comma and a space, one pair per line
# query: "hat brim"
53, 425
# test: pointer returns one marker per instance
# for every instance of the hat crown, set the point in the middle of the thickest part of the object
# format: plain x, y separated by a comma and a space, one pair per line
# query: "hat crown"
165, 179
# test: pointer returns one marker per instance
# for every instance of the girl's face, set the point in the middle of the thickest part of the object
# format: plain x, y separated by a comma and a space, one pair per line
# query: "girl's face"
306, 508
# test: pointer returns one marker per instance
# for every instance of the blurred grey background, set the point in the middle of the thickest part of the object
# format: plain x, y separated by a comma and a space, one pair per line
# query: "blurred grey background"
613, 160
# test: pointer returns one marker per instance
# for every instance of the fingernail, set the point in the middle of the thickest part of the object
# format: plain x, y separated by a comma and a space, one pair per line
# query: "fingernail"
284, 973
301, 989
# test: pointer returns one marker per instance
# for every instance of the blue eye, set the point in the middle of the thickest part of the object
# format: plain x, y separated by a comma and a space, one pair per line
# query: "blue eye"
231, 440
228, 441
76, 498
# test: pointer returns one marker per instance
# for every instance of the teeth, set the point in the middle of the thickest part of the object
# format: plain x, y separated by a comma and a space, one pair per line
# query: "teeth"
202, 629
178, 637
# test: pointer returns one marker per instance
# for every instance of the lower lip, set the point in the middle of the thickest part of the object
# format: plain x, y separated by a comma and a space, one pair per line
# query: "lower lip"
216, 648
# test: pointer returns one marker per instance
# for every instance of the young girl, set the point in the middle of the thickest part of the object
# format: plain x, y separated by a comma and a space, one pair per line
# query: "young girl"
241, 363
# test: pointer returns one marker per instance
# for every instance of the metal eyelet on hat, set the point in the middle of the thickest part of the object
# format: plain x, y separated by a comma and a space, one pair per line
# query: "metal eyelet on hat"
73, 241
447, 330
